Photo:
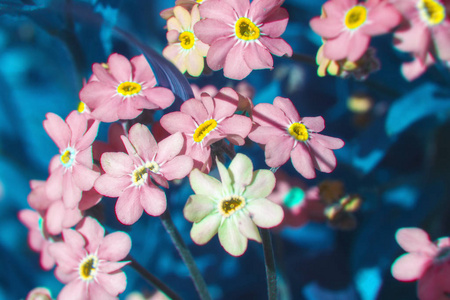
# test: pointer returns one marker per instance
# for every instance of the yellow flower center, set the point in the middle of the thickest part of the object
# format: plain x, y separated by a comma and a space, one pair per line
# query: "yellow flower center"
88, 267
203, 129
67, 157
246, 30
129, 88
81, 107
152, 166
298, 131
199, 1
355, 17
139, 176
230, 204
187, 40
431, 11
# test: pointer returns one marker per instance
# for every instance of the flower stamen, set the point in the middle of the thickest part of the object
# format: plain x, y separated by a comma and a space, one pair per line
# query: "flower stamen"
187, 40
246, 30
298, 131
204, 129
68, 157
431, 11
129, 88
355, 17
230, 204
139, 176
88, 267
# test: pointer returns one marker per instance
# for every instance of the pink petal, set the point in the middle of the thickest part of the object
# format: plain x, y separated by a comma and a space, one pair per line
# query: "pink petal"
220, 10
77, 124
276, 23
302, 161
93, 232
110, 186
128, 206
96, 291
58, 130
226, 102
84, 177
54, 183
338, 48
169, 147
142, 71
178, 122
177, 168
415, 240
54, 217
71, 192
261, 9
120, 67
359, 44
264, 134
383, 18
265, 213
88, 137
89, 199
413, 38
218, 52
103, 76
114, 283
327, 28
441, 39
410, 266
316, 124
276, 46
74, 290
257, 57
117, 164
235, 66
266, 114
115, 246
159, 96
153, 200
143, 141
196, 110
236, 125
328, 141
323, 158
210, 30
288, 108
278, 150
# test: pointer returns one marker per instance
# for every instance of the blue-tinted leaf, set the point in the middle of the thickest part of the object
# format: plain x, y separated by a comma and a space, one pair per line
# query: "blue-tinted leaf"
424, 101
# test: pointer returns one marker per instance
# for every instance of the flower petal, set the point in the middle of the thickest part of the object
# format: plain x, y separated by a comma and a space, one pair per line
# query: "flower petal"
410, 266
248, 228
153, 200
302, 161
265, 213
231, 239
198, 207
128, 207
261, 186
203, 231
415, 240
203, 184
115, 246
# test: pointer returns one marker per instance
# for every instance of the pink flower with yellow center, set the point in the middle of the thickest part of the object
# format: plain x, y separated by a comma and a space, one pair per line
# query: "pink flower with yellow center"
123, 89
184, 49
88, 262
206, 121
285, 135
71, 172
242, 35
348, 26
425, 261
129, 176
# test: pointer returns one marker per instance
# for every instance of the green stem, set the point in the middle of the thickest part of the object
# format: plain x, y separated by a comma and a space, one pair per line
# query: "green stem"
186, 256
152, 279
271, 274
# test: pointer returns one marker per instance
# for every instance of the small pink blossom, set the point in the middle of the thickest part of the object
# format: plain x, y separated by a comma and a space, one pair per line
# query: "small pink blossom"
124, 89
425, 261
88, 262
206, 121
185, 50
348, 26
242, 35
71, 172
128, 175
38, 238
285, 135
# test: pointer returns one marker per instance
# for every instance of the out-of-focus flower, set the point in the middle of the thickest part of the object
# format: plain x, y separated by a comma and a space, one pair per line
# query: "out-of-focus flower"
204, 122
185, 50
39, 293
186, 4
344, 68
128, 176
71, 172
413, 69
88, 262
425, 29
242, 35
139, 296
114, 143
348, 26
299, 203
425, 261
124, 89
234, 207
285, 135
38, 238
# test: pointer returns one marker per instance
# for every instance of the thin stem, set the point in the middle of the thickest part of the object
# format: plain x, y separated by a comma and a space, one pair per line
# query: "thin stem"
271, 274
152, 279
186, 256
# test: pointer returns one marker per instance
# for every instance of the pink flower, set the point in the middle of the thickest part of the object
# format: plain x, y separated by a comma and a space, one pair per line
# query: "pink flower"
242, 35
300, 204
88, 262
285, 135
114, 144
124, 89
38, 238
184, 49
71, 172
348, 26
204, 122
426, 261
128, 176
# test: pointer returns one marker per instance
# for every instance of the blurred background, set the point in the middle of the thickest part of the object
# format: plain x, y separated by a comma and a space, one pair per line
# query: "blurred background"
396, 156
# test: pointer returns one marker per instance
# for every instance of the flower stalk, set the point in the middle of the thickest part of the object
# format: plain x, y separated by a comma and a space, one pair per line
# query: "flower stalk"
186, 256
269, 260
